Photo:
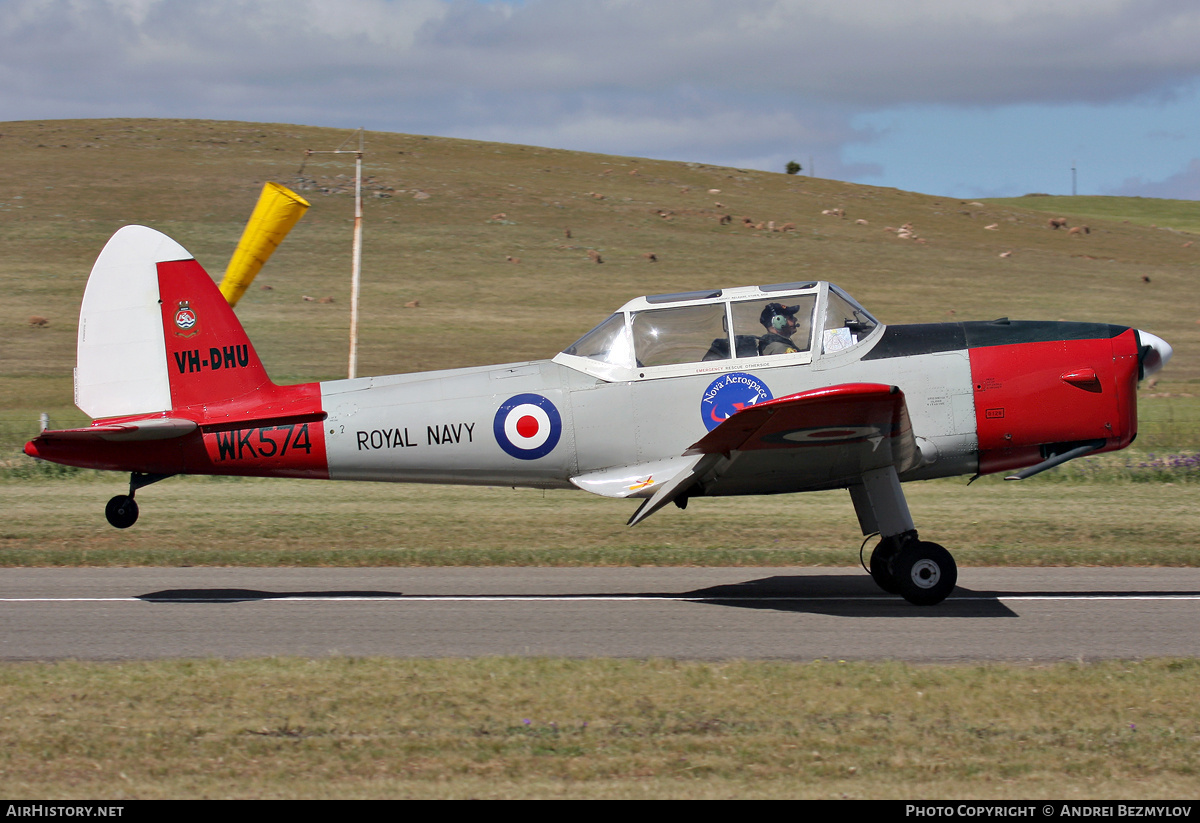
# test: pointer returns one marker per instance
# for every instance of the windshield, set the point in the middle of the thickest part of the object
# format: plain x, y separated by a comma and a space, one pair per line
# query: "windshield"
846, 323
608, 343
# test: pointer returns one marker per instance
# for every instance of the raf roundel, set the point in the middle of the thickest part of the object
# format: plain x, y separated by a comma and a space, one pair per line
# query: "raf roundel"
826, 435
527, 426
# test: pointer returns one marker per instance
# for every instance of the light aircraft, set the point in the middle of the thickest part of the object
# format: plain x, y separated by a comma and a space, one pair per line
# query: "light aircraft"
756, 390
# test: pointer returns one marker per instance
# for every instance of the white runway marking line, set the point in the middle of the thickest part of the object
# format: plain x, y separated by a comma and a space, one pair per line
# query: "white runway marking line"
481, 598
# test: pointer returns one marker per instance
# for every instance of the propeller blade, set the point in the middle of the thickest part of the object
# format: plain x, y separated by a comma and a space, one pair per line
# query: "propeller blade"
1153, 353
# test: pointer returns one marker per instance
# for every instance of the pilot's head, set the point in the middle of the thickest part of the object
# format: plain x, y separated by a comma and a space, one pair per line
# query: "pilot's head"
779, 318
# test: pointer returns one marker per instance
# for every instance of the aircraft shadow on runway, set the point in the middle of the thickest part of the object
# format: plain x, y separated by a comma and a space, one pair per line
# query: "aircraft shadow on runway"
841, 595
857, 596
845, 596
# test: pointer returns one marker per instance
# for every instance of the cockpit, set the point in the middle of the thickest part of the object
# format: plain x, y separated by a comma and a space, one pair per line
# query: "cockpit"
666, 335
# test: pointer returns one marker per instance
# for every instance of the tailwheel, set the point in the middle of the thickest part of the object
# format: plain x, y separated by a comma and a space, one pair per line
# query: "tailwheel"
925, 573
122, 511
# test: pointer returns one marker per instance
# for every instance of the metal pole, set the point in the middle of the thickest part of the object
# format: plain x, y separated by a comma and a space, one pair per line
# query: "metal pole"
356, 257
356, 266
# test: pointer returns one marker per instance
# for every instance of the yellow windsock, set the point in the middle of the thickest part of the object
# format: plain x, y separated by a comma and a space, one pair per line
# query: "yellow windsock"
277, 211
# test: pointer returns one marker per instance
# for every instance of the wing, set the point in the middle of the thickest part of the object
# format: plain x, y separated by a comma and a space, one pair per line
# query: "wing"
820, 439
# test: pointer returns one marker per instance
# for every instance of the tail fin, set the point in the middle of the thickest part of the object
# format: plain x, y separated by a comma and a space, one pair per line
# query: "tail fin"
155, 333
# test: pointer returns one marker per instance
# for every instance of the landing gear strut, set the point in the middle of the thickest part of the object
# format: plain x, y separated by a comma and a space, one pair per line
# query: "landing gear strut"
921, 572
122, 511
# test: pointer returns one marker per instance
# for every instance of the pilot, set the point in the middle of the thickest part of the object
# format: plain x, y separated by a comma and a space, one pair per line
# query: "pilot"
780, 323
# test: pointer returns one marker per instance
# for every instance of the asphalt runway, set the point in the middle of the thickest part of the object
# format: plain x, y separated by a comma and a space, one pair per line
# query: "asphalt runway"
685, 613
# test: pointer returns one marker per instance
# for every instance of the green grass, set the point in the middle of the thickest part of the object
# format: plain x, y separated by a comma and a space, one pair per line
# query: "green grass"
1174, 215
52, 521
535, 728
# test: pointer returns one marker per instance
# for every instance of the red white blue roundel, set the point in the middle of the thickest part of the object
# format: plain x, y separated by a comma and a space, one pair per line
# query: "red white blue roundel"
731, 393
825, 435
527, 426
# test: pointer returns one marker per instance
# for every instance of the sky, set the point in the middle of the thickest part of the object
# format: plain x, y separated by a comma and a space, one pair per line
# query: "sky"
947, 97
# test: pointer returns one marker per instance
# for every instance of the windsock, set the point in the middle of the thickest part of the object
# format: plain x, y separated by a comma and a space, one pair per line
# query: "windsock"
277, 211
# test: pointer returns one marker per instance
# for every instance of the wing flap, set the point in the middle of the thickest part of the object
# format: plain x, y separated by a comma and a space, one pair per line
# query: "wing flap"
638, 480
675, 487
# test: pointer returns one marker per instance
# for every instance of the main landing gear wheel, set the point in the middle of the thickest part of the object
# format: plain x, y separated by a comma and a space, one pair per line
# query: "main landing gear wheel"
925, 573
122, 511
881, 566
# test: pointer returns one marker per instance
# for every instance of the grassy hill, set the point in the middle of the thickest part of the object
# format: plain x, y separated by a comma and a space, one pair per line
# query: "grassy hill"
493, 241
1181, 216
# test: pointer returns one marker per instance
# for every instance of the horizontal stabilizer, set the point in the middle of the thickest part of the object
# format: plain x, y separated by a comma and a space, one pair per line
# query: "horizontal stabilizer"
158, 428
166, 428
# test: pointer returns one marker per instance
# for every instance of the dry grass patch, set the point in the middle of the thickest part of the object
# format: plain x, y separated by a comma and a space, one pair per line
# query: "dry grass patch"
509, 728
202, 521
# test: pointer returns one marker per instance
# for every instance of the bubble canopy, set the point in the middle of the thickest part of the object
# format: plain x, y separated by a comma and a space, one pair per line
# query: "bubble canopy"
706, 331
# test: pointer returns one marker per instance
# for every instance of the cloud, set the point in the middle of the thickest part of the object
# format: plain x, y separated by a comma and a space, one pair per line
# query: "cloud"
748, 82
868, 53
1184, 185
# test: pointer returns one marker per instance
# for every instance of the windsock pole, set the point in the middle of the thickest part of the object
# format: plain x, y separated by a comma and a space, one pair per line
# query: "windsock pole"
356, 265
356, 259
